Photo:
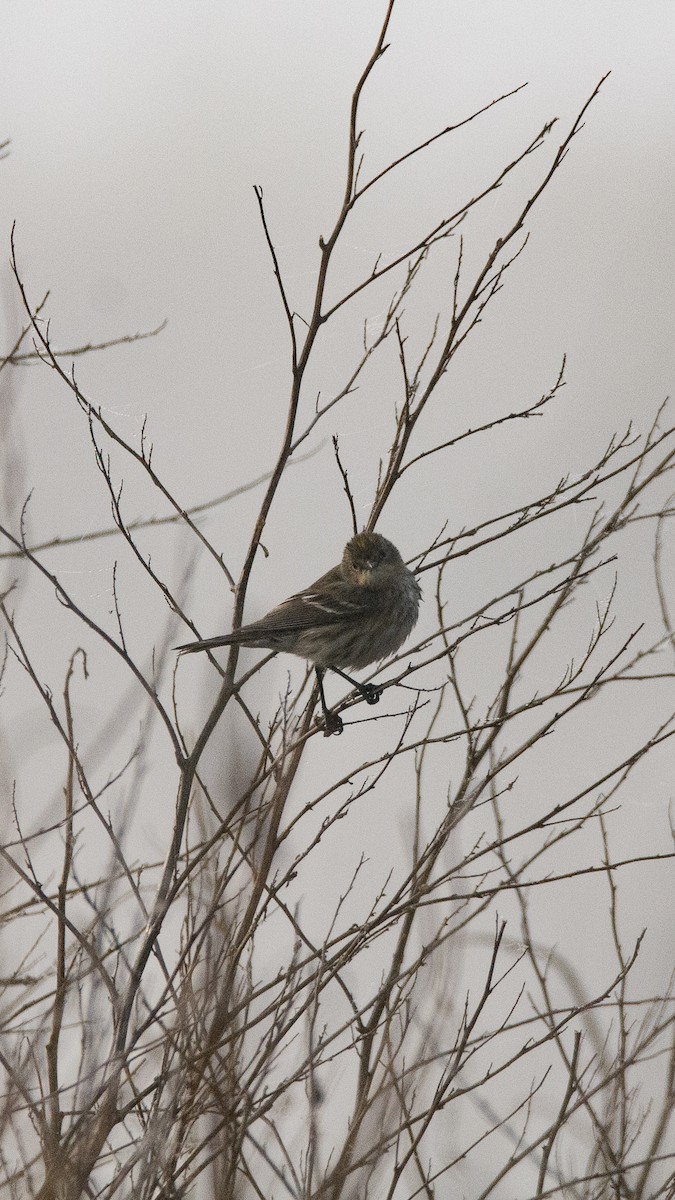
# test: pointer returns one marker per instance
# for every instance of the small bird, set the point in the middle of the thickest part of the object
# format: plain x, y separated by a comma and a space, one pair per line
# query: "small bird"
356, 614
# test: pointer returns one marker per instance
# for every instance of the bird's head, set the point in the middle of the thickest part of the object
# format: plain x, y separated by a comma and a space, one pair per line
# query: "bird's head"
368, 555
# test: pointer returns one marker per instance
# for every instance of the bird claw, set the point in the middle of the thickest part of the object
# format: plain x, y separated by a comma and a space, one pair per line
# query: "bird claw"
332, 724
371, 694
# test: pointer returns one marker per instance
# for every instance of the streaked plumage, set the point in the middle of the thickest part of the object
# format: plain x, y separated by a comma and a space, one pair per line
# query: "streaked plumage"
356, 614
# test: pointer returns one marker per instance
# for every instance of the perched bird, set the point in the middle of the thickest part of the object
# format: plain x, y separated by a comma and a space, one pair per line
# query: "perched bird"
356, 614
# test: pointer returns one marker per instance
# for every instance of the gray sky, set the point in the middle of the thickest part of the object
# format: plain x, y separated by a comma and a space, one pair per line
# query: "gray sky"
137, 135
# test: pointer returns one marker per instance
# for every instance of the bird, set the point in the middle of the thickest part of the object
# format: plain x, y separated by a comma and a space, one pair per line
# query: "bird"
358, 613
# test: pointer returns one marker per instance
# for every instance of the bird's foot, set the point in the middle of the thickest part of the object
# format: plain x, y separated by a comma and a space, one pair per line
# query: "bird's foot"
332, 724
370, 693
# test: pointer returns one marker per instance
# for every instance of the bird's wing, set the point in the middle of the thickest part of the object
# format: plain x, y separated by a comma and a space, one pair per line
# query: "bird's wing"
329, 601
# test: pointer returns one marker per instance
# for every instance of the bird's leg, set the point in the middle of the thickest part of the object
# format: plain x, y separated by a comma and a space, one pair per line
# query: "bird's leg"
370, 693
332, 722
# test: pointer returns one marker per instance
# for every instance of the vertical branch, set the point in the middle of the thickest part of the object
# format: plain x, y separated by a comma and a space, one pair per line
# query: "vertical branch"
345, 481
55, 1114
562, 1115
314, 324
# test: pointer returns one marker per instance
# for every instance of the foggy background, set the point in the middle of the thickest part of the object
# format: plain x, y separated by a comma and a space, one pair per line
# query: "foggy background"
137, 134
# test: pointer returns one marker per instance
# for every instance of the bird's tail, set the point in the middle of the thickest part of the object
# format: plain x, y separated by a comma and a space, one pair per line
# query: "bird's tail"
225, 639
